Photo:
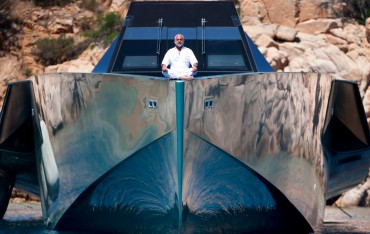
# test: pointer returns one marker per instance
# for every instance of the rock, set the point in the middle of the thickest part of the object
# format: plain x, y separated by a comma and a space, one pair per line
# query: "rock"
355, 33
338, 42
311, 41
358, 196
265, 41
253, 12
311, 10
353, 197
19, 196
346, 67
11, 68
363, 64
318, 26
338, 32
119, 6
285, 33
277, 59
59, 26
322, 63
255, 31
282, 12
368, 29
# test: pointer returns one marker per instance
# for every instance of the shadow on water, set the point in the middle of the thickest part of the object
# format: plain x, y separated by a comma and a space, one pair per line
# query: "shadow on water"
26, 218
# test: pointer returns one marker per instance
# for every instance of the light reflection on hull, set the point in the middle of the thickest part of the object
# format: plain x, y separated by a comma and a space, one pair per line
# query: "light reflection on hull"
252, 156
221, 194
139, 195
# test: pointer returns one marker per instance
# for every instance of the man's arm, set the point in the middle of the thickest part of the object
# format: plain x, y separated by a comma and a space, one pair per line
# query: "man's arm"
194, 67
193, 61
166, 61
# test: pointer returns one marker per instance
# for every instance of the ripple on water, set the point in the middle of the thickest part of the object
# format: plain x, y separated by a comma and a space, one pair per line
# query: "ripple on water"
27, 218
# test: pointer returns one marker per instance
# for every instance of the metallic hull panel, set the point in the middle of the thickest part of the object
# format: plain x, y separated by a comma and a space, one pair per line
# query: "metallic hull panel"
93, 122
236, 153
272, 123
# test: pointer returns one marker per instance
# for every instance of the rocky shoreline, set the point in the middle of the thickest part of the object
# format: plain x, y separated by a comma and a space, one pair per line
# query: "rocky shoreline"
19, 196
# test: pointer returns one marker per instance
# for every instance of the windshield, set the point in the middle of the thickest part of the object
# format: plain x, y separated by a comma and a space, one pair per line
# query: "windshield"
216, 48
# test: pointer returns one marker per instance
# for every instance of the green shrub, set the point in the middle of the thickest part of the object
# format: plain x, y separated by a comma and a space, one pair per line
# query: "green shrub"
90, 5
53, 50
109, 26
27, 72
366, 15
85, 23
57, 50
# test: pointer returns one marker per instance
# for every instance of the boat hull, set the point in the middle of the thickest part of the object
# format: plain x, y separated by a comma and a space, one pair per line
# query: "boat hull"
234, 153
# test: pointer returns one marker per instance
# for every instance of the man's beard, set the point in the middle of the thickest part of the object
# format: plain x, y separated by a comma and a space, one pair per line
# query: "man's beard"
179, 44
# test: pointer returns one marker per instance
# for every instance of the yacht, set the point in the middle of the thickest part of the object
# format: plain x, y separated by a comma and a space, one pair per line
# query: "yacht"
240, 148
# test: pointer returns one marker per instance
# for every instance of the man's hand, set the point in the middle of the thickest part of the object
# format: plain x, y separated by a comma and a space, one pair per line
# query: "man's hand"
164, 67
194, 68
186, 77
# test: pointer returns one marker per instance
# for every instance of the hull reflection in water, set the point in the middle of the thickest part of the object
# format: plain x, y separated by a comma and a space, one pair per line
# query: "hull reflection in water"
238, 149
222, 194
138, 195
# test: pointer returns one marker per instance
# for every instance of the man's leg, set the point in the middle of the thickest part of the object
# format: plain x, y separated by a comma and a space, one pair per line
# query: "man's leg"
166, 74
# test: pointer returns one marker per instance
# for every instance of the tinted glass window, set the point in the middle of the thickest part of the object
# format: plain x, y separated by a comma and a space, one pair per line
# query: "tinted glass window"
216, 48
223, 50
225, 61
138, 50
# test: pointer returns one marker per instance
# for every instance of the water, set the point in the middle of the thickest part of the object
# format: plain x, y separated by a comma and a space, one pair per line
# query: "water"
349, 220
26, 218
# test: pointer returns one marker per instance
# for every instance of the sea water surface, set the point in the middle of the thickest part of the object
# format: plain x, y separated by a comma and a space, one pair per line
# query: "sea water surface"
26, 217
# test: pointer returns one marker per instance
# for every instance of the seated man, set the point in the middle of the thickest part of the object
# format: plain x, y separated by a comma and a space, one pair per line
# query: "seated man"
179, 58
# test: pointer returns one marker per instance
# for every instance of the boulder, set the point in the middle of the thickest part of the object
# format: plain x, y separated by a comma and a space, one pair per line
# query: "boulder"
60, 26
318, 26
282, 12
11, 68
355, 33
358, 196
265, 41
346, 67
338, 32
354, 197
311, 10
285, 33
277, 59
323, 66
308, 40
253, 12
337, 41
255, 31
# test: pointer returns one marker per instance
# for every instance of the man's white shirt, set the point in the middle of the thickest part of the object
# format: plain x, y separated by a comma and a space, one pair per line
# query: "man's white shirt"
179, 62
